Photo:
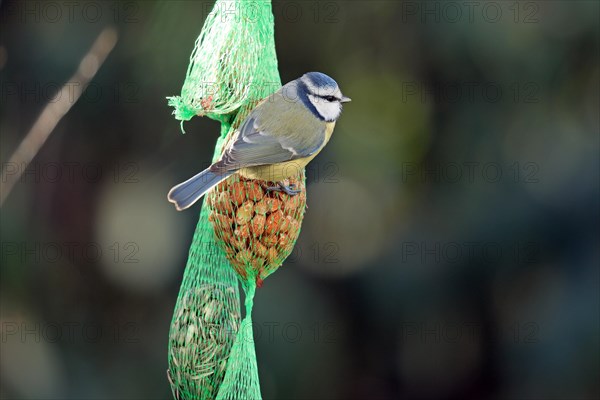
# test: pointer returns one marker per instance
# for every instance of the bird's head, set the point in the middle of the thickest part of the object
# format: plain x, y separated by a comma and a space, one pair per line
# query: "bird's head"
322, 95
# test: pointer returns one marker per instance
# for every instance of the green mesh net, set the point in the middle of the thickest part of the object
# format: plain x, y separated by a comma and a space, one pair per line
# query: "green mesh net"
233, 62
245, 232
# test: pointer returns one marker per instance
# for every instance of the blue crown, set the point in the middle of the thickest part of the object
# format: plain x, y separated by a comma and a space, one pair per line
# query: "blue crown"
319, 79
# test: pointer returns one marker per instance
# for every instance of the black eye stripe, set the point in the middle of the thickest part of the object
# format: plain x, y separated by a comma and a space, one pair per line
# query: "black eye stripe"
329, 98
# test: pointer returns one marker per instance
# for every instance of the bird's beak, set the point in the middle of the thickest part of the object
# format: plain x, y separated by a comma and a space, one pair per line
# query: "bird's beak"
345, 99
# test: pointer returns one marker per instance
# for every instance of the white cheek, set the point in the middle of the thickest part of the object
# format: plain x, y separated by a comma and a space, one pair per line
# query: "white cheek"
328, 110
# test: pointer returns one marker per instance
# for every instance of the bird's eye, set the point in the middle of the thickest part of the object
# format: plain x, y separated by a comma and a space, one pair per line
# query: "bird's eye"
330, 98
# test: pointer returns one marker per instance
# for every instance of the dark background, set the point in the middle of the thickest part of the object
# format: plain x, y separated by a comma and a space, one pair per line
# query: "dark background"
450, 247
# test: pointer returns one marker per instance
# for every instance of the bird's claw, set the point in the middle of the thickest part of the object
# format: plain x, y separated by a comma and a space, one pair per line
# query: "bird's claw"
287, 189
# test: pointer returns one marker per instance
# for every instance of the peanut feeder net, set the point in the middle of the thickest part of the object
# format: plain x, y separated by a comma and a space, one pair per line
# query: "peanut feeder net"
245, 232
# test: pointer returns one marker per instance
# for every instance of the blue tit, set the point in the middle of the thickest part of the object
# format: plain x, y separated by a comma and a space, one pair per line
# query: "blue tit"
281, 135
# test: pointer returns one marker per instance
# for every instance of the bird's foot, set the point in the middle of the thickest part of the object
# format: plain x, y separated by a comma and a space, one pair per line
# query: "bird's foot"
287, 189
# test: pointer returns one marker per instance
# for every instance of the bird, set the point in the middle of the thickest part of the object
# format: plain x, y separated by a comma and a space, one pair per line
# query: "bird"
277, 139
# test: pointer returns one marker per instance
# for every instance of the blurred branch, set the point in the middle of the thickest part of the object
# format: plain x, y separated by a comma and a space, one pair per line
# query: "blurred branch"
55, 111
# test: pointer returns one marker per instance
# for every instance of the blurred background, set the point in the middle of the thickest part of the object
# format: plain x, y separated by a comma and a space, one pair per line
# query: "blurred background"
450, 248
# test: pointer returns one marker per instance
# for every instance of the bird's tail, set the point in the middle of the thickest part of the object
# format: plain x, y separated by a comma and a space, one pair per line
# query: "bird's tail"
187, 193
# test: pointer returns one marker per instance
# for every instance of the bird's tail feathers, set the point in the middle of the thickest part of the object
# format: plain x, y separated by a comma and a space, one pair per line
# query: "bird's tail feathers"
187, 193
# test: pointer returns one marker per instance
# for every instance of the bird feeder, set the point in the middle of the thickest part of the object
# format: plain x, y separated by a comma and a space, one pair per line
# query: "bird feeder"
245, 231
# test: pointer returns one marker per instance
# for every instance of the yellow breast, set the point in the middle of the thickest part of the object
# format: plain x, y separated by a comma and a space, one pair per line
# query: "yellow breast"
285, 170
